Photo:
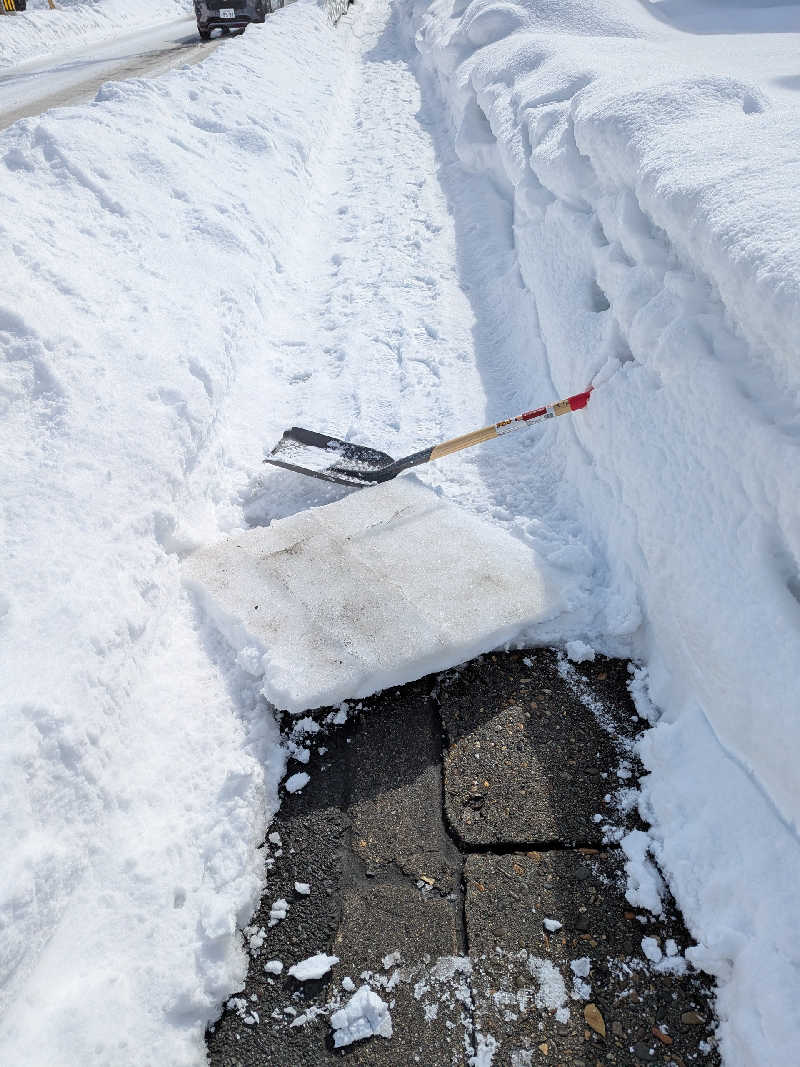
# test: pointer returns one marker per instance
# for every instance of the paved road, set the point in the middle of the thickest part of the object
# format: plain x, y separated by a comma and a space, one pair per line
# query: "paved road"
74, 77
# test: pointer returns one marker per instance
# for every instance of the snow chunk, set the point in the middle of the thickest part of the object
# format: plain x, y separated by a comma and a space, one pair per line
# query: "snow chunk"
552, 925
314, 967
461, 586
273, 967
652, 949
581, 967
645, 886
303, 888
362, 1016
295, 782
579, 651
278, 911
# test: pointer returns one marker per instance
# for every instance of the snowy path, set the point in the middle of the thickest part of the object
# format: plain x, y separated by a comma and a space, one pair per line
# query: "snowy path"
287, 234
402, 320
75, 76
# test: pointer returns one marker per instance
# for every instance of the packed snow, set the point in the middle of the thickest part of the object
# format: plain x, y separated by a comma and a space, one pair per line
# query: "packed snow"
459, 211
357, 596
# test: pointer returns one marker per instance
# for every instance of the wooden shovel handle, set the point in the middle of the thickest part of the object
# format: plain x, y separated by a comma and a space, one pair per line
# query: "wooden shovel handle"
498, 429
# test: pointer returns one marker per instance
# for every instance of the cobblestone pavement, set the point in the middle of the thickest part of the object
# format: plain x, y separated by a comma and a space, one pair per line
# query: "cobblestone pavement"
458, 838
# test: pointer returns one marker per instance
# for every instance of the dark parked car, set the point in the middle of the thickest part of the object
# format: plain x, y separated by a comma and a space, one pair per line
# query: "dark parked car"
228, 15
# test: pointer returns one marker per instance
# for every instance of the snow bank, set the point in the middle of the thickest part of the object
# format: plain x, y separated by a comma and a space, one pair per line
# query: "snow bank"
139, 764
651, 179
41, 30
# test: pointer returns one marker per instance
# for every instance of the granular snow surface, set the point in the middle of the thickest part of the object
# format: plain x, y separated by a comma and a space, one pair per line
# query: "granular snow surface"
426, 220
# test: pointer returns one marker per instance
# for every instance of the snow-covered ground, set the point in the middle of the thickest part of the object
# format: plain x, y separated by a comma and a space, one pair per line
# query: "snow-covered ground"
397, 234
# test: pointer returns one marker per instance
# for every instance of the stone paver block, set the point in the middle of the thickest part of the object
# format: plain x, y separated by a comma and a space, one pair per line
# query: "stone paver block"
583, 993
526, 760
396, 799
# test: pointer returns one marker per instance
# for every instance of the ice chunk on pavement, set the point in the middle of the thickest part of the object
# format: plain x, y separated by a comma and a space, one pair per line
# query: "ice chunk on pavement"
313, 967
273, 967
551, 925
362, 1016
376, 589
303, 888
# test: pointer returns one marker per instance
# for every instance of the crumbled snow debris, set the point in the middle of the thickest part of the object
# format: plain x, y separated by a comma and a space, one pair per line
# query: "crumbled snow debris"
552, 992
255, 937
278, 911
672, 965
551, 925
364, 1014
348, 985
273, 967
314, 967
322, 750
671, 947
275, 838
580, 990
597, 818
652, 949
295, 782
485, 1048
579, 651
298, 752
521, 1058
581, 966
624, 770
447, 967
391, 960
562, 1015
431, 1011
645, 886
303, 888
289, 1011
306, 725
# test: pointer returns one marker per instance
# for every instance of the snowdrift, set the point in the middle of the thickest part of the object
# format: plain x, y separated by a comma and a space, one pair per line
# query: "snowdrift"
652, 179
139, 764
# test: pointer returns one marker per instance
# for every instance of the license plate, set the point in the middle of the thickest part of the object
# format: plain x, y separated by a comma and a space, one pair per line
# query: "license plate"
226, 12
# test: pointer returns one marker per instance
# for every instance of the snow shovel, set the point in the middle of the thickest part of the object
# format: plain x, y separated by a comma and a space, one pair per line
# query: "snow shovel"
320, 456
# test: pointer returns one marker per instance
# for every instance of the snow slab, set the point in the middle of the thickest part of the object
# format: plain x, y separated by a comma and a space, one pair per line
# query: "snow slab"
379, 588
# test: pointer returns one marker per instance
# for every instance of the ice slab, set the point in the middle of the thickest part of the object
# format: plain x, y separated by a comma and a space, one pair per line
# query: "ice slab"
377, 589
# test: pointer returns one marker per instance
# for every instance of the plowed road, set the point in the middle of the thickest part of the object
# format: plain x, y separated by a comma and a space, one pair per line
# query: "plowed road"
74, 77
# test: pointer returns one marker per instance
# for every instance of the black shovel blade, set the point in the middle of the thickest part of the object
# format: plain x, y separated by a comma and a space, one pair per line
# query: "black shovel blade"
334, 460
